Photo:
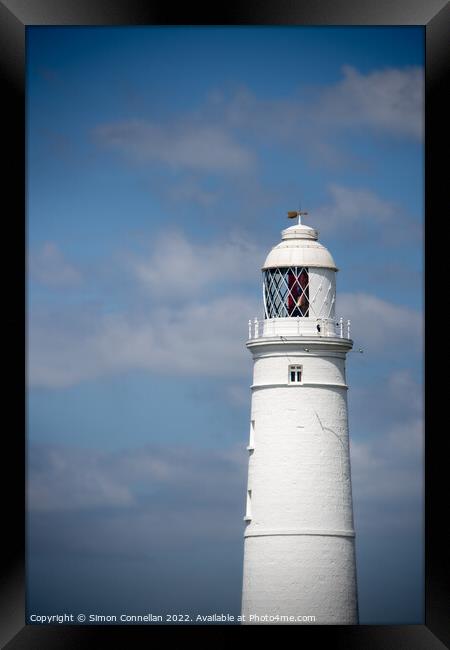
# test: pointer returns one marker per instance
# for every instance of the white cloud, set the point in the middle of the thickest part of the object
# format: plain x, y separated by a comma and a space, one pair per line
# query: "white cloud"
358, 212
388, 478
201, 492
349, 206
399, 391
196, 323
199, 339
238, 394
388, 468
48, 266
381, 327
390, 100
388, 463
183, 144
202, 337
220, 135
406, 390
191, 190
177, 268
64, 478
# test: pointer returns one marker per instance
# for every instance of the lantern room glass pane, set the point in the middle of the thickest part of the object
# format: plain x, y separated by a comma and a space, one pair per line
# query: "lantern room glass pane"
286, 292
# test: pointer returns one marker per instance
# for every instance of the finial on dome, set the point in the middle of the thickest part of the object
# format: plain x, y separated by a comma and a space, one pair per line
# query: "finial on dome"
296, 213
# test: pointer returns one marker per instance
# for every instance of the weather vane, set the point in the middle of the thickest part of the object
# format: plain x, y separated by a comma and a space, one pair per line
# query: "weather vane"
292, 214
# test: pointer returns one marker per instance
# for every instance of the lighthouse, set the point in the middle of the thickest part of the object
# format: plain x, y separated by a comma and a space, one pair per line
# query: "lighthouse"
299, 538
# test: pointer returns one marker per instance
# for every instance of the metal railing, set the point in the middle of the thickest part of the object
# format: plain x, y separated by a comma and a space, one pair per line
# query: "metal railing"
295, 327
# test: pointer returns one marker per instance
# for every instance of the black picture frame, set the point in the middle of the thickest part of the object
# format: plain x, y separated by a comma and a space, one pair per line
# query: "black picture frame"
15, 16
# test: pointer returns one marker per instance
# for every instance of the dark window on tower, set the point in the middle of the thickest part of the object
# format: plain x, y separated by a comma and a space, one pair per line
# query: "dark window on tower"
295, 374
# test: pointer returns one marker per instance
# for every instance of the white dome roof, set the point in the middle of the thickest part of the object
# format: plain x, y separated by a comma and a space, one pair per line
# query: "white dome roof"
299, 247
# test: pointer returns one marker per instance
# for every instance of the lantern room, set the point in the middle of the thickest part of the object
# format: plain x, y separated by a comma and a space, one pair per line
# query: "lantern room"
299, 284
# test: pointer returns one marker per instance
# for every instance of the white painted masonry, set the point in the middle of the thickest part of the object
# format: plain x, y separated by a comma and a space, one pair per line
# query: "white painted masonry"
299, 548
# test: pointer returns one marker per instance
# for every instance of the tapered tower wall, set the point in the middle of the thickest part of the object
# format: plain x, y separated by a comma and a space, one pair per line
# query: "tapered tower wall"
299, 539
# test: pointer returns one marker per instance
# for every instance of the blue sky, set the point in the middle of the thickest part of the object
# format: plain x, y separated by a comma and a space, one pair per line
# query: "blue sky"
161, 162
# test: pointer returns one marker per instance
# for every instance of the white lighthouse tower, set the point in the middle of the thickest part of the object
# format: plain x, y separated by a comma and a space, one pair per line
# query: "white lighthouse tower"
299, 550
